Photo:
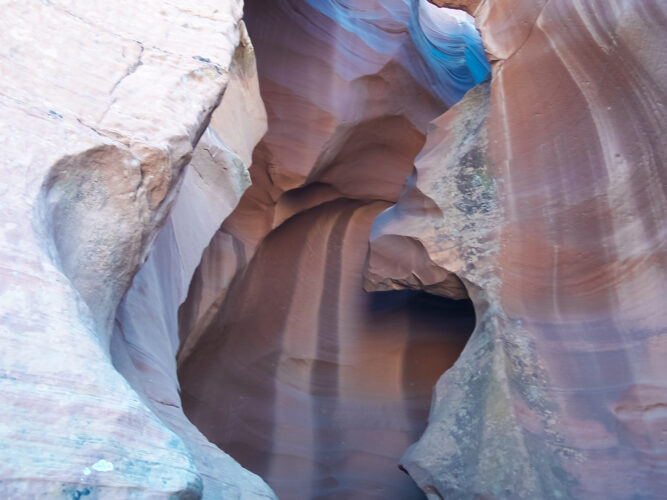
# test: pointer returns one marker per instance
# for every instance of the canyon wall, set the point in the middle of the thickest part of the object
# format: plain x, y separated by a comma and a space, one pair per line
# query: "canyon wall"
309, 381
349, 92
145, 339
544, 192
183, 216
286, 363
102, 106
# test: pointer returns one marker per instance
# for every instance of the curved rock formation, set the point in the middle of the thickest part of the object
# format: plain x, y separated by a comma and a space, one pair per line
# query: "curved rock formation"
545, 195
101, 108
309, 381
285, 362
136, 258
146, 339
347, 110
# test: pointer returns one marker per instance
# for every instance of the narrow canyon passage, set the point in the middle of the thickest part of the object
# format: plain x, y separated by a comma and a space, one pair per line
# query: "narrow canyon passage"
311, 382
333, 250
286, 363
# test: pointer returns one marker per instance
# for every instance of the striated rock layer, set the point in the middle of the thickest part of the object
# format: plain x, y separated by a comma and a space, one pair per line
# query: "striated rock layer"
544, 192
345, 113
311, 382
102, 106
145, 339
285, 362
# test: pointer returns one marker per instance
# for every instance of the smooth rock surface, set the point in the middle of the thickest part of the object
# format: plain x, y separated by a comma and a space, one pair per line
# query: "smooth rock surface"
545, 195
309, 381
541, 196
101, 106
286, 363
146, 340
348, 108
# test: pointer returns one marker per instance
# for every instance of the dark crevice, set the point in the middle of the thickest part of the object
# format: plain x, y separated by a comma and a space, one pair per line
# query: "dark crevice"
294, 370
312, 383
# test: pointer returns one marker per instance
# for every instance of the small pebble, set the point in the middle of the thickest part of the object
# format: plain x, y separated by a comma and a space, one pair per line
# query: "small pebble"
103, 466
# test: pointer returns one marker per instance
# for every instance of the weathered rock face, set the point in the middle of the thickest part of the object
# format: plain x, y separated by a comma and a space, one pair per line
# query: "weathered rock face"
540, 195
311, 382
286, 363
544, 192
348, 110
101, 108
146, 340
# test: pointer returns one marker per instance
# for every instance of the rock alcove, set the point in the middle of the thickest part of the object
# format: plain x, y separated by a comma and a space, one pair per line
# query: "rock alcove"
295, 370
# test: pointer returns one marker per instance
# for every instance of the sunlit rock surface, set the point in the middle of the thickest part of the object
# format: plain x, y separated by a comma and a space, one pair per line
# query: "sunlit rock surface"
286, 362
545, 194
146, 339
101, 104
540, 196
347, 110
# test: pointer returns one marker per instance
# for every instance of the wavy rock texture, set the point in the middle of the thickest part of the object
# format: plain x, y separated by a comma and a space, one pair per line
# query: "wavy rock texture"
101, 108
309, 381
286, 363
146, 340
348, 109
544, 192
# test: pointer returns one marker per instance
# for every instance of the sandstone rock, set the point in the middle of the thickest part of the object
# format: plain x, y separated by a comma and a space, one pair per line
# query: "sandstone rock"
447, 211
544, 199
101, 108
541, 196
468, 5
348, 108
288, 365
309, 381
146, 338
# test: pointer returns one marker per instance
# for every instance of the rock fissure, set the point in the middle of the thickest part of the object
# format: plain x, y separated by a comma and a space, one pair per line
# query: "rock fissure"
288, 364
131, 69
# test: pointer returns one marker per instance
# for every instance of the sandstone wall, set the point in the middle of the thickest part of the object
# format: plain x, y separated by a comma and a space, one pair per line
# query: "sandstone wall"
545, 194
102, 105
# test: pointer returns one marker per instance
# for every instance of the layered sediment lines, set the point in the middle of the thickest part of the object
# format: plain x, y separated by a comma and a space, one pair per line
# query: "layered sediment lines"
102, 106
285, 362
541, 196
145, 338
559, 393
349, 93
311, 382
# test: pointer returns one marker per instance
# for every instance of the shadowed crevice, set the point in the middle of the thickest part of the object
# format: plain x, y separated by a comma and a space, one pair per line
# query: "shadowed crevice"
311, 382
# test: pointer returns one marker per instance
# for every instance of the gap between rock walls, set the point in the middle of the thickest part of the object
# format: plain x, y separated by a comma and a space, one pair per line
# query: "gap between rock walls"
332, 251
286, 363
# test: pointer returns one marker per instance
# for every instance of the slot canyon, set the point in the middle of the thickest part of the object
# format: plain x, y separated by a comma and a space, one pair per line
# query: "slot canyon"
300, 375
333, 249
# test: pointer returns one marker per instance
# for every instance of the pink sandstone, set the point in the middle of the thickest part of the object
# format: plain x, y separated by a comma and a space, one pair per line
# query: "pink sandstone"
545, 195
101, 109
184, 215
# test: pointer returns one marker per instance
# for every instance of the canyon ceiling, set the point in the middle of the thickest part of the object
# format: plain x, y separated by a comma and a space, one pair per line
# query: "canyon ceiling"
333, 249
